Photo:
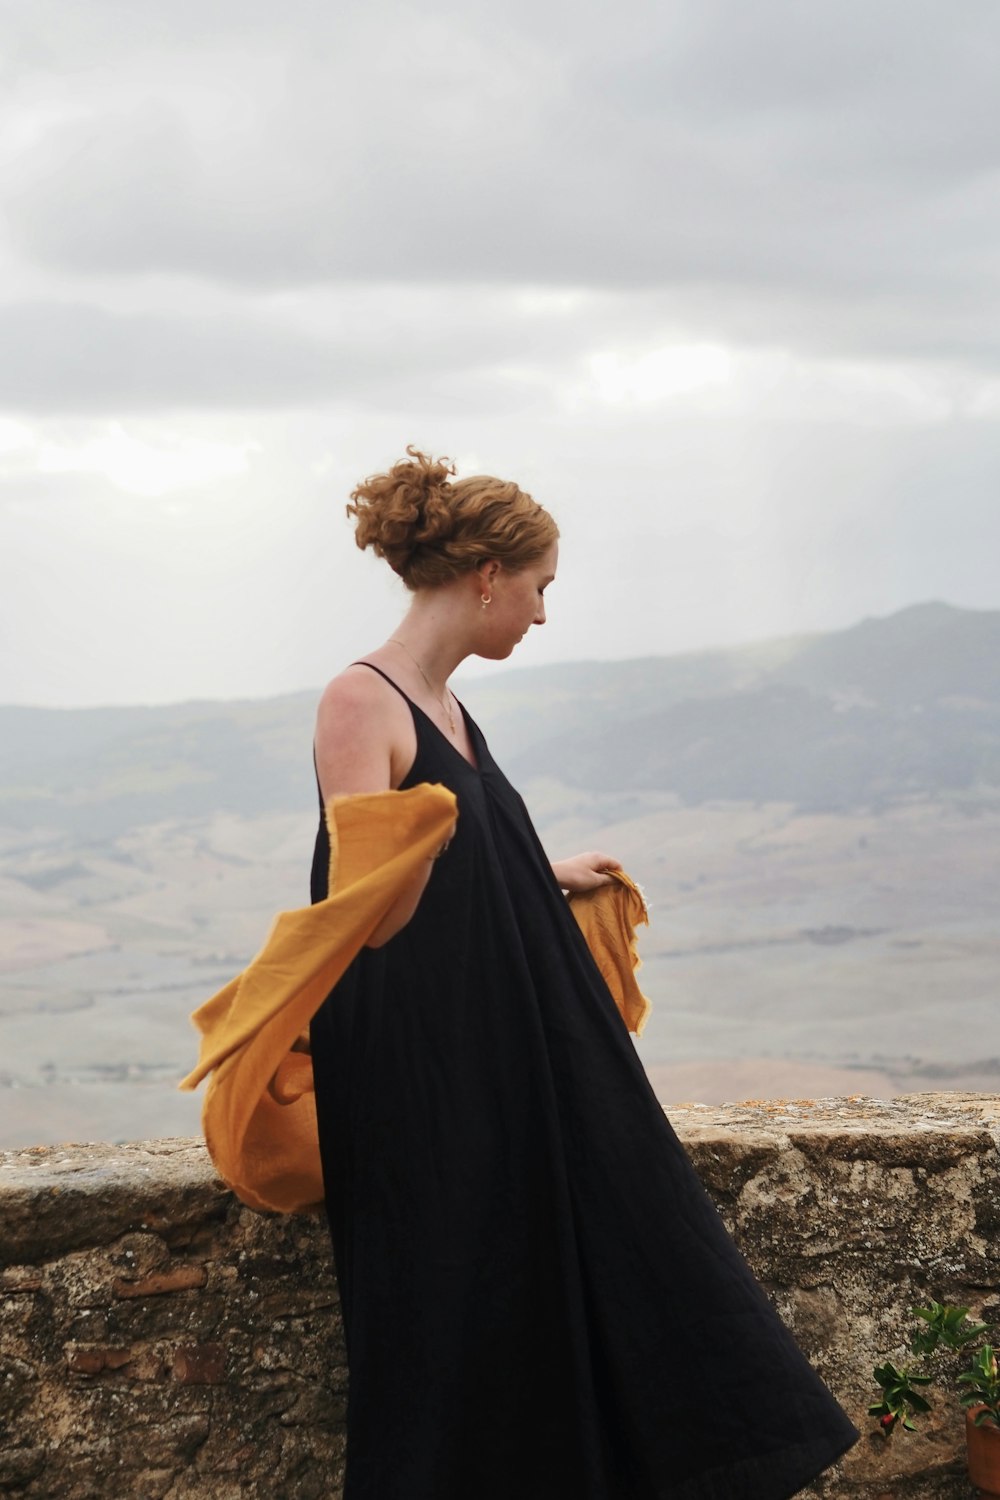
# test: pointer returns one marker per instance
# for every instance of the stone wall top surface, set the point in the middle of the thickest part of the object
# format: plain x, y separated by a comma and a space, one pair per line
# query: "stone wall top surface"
942, 1111
54, 1198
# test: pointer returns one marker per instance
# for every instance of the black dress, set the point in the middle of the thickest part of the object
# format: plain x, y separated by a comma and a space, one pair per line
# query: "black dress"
539, 1298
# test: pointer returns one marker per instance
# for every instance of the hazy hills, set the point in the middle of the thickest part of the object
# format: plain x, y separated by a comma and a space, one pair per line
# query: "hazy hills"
815, 821
892, 708
97, 772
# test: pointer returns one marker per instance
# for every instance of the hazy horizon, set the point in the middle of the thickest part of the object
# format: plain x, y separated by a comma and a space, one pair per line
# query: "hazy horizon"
814, 823
475, 669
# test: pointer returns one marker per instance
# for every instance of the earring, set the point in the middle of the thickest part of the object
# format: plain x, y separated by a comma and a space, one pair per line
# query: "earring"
487, 599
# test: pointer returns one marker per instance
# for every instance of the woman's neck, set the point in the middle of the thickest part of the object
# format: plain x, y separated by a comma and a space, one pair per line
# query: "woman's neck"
431, 634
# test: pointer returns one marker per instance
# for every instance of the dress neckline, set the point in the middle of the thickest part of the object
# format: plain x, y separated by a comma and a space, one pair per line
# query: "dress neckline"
475, 738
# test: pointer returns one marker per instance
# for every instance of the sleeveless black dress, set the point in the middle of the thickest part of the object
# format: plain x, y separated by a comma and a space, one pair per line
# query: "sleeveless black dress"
539, 1298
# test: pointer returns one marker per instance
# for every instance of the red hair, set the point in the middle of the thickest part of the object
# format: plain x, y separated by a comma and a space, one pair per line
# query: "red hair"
430, 529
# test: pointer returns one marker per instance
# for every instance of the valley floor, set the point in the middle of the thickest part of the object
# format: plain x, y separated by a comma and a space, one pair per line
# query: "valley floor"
788, 956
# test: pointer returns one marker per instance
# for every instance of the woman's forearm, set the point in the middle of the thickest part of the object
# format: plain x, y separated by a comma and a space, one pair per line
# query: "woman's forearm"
584, 872
401, 910
406, 903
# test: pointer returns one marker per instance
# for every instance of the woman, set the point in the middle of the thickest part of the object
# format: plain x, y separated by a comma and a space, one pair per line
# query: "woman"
535, 1286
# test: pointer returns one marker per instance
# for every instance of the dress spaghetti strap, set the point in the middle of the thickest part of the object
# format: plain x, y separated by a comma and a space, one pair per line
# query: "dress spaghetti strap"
373, 668
320, 872
399, 690
421, 716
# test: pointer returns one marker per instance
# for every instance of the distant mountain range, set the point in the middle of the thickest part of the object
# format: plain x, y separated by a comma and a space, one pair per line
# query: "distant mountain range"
97, 772
890, 709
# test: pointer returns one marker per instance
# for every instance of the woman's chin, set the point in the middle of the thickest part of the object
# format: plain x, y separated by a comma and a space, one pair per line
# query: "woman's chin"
498, 653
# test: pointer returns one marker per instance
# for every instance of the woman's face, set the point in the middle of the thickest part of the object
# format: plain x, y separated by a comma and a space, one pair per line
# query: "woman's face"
517, 603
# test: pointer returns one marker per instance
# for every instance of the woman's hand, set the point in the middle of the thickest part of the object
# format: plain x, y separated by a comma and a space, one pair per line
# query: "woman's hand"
585, 872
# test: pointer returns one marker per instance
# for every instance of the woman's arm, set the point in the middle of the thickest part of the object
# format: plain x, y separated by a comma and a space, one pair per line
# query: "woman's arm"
584, 872
357, 732
365, 743
402, 908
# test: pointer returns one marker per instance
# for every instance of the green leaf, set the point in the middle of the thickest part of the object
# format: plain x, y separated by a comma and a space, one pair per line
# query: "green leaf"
886, 1375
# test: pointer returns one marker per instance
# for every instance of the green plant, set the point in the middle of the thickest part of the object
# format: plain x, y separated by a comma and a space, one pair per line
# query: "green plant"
946, 1325
900, 1402
941, 1327
983, 1381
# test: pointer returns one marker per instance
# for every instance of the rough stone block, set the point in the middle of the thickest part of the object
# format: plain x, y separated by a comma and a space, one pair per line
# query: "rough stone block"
200, 1364
177, 1279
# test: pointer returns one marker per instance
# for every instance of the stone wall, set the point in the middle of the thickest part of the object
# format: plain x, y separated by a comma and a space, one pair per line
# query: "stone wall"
159, 1340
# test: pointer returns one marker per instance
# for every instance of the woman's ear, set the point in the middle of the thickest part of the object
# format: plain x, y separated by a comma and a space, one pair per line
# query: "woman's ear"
487, 571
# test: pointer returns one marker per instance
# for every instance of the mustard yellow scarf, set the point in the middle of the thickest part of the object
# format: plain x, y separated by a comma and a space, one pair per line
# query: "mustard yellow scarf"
259, 1112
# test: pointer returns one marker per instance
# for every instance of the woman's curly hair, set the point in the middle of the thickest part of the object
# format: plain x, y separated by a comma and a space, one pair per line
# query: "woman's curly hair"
430, 529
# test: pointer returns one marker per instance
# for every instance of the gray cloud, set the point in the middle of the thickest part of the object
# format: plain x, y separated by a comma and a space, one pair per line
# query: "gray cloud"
71, 357
302, 235
468, 348
774, 153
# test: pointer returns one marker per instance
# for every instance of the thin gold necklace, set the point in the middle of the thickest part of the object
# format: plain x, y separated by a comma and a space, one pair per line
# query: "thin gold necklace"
446, 700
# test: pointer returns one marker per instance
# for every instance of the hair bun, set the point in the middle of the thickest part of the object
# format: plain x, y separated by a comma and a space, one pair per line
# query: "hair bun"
404, 509
430, 530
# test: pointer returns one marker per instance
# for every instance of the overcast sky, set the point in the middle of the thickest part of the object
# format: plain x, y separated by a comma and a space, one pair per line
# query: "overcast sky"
717, 282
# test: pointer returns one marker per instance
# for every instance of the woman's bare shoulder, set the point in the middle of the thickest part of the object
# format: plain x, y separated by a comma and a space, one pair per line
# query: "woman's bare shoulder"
362, 726
356, 701
356, 686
